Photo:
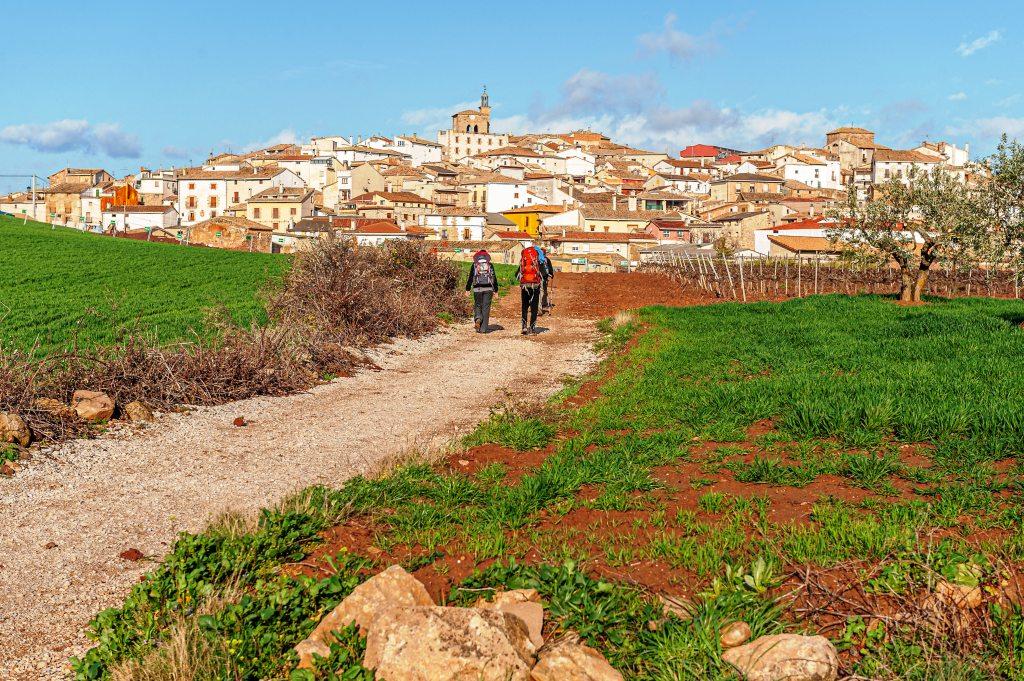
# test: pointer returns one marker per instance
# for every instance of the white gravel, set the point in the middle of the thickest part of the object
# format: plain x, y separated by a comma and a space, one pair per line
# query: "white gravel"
95, 499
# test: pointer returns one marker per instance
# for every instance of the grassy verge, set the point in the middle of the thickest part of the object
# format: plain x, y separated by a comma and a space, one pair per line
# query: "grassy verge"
62, 284
815, 465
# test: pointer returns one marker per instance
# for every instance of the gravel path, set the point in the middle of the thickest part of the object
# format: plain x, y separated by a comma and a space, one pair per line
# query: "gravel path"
67, 516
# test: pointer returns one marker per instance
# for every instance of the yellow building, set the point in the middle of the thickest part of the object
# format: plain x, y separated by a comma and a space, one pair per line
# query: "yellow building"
528, 218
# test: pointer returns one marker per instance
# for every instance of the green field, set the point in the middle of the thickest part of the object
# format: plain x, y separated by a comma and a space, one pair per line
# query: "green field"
729, 455
60, 284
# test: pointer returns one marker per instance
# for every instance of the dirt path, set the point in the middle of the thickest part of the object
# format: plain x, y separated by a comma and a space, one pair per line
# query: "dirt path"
65, 519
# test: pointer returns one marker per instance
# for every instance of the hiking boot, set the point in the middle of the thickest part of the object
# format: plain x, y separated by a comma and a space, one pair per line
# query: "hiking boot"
533, 330
476, 325
526, 331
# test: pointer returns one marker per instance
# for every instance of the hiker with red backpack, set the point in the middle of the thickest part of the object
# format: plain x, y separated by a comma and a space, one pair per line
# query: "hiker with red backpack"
531, 280
484, 284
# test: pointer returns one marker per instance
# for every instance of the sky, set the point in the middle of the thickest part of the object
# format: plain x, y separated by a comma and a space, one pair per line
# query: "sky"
164, 84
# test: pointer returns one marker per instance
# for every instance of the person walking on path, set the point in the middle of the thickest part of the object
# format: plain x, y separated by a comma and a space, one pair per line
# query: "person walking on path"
531, 281
484, 284
547, 273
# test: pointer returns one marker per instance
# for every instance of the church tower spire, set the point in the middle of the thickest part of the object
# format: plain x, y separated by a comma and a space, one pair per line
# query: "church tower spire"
485, 100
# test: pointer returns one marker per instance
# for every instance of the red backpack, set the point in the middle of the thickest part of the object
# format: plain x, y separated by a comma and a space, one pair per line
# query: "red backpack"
529, 267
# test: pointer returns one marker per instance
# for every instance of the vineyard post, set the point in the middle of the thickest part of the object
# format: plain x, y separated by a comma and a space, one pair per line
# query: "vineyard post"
799, 276
743, 287
786, 276
728, 272
816, 259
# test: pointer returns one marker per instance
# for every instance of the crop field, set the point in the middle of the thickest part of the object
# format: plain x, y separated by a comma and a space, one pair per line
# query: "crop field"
819, 465
62, 285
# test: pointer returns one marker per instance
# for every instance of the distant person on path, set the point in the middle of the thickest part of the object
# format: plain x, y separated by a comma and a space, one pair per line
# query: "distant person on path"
484, 284
531, 280
547, 271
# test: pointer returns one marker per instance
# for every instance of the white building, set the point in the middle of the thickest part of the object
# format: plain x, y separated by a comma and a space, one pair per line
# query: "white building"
898, 164
578, 163
419, 150
139, 218
205, 194
157, 183
456, 224
953, 155
819, 173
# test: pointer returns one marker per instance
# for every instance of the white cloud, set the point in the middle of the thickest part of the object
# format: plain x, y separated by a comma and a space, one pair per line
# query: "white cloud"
675, 43
1008, 101
172, 151
73, 135
995, 126
957, 97
285, 136
966, 49
436, 118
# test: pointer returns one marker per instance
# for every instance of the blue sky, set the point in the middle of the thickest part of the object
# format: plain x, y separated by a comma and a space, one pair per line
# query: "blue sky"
158, 84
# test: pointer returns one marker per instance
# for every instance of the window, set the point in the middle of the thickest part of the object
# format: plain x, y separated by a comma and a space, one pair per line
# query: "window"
234, 198
191, 185
256, 212
191, 218
291, 211
275, 212
275, 225
213, 185
213, 202
191, 203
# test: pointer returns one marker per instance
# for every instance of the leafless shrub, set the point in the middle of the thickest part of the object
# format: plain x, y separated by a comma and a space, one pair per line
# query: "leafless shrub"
335, 300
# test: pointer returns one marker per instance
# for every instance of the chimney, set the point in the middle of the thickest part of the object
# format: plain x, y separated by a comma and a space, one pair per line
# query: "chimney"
615, 203
631, 203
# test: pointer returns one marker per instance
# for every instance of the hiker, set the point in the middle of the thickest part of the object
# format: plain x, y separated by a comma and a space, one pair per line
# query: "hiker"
531, 280
484, 284
547, 272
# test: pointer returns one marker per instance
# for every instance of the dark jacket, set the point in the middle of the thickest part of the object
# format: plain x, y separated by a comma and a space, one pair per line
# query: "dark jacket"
472, 272
546, 269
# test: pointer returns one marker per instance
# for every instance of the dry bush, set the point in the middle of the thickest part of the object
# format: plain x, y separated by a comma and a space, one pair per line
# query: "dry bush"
335, 299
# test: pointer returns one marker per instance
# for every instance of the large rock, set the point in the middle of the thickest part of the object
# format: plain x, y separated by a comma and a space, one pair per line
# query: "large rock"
524, 604
92, 406
14, 430
785, 657
448, 644
571, 661
137, 412
392, 588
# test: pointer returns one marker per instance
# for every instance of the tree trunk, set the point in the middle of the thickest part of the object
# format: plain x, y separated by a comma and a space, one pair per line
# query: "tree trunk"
906, 285
924, 266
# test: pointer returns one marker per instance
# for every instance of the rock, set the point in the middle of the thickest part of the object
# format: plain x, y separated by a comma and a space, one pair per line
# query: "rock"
240, 421
55, 408
734, 634
8, 468
571, 661
132, 555
524, 604
958, 595
14, 430
392, 588
137, 412
430, 643
677, 607
50, 545
92, 406
787, 657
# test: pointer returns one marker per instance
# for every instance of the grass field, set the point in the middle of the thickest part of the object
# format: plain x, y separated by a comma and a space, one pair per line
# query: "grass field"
732, 456
58, 284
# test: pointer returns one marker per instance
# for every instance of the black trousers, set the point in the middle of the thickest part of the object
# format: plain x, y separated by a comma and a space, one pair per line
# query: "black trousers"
544, 303
530, 295
482, 308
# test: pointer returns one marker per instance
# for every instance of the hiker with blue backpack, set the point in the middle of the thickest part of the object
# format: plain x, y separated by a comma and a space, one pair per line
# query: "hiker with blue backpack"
484, 284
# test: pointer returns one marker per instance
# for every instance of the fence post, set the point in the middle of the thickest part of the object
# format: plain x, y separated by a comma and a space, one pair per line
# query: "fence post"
799, 276
743, 288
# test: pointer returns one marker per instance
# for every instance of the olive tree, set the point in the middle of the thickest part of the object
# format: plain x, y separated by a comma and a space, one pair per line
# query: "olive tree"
915, 221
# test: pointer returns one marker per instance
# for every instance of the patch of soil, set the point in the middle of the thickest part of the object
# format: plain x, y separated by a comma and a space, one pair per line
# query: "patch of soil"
605, 294
516, 463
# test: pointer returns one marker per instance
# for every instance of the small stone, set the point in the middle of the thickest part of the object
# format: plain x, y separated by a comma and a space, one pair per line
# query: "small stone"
240, 421
785, 657
50, 545
132, 555
137, 412
92, 406
677, 607
734, 634
54, 408
463, 462
14, 430
573, 661
7, 468
959, 595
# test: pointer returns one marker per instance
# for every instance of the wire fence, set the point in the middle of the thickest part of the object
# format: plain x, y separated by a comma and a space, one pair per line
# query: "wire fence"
774, 278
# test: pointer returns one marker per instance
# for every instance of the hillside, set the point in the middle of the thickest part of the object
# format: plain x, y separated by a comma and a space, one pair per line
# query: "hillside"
57, 285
